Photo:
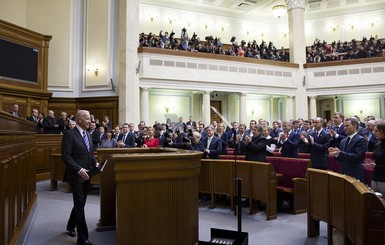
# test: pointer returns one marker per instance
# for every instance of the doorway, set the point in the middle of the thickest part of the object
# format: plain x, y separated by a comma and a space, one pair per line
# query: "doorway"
217, 104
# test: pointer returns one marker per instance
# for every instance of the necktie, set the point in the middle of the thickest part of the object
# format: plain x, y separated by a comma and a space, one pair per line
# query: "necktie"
85, 137
124, 138
347, 143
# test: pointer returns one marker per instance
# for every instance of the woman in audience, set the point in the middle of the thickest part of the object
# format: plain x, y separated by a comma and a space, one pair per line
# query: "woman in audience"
270, 142
224, 138
150, 140
378, 180
109, 141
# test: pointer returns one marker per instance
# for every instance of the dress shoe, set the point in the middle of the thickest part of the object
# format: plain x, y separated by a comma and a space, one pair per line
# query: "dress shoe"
71, 232
85, 242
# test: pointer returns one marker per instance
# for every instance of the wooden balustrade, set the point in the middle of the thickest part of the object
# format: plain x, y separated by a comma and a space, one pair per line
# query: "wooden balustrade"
346, 205
17, 177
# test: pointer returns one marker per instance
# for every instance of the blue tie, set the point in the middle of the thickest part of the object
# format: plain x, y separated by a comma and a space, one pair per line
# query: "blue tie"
347, 143
85, 137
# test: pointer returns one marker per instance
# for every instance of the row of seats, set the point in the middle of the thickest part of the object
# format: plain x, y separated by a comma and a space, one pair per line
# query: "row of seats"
261, 182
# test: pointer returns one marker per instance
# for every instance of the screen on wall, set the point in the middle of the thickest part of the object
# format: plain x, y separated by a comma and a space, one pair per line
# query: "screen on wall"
18, 62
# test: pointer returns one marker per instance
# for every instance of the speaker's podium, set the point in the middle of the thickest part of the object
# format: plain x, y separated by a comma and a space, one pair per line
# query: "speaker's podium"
157, 197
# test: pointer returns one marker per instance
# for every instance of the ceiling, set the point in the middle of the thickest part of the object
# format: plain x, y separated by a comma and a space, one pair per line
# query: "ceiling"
251, 9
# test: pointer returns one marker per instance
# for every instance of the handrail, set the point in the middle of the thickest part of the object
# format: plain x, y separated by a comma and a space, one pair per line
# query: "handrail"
147, 50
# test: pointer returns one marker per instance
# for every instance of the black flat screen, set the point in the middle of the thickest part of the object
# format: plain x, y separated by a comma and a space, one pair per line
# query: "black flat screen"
18, 62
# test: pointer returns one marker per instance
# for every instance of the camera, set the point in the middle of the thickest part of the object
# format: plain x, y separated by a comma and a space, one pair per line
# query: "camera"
208, 38
184, 30
233, 39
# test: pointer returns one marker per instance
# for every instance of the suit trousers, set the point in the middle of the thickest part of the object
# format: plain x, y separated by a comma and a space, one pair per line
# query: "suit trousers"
77, 218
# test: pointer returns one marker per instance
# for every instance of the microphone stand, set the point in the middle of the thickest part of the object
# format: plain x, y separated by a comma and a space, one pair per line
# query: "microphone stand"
238, 188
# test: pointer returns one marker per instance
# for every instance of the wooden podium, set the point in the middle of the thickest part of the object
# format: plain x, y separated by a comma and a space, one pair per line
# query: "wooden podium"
157, 196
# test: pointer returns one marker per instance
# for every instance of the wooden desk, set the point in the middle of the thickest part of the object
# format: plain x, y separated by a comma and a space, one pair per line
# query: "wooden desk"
157, 196
107, 219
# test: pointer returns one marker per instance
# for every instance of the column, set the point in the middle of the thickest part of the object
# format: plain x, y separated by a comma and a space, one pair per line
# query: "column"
295, 10
313, 106
144, 105
206, 108
242, 108
129, 109
289, 108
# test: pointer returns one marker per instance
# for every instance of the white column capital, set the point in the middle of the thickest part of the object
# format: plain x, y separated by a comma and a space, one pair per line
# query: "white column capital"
144, 89
243, 94
206, 92
313, 97
295, 4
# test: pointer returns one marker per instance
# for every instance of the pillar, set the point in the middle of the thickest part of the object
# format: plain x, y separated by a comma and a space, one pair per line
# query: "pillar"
206, 108
128, 88
242, 108
144, 105
289, 108
296, 10
313, 107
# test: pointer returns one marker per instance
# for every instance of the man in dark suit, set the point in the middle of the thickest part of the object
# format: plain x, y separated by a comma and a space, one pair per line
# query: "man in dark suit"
255, 147
126, 139
15, 110
319, 142
337, 132
212, 144
95, 136
369, 135
76, 151
192, 123
34, 118
351, 152
288, 141
50, 124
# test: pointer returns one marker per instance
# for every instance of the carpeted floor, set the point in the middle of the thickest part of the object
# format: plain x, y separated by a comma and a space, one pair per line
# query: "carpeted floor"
53, 208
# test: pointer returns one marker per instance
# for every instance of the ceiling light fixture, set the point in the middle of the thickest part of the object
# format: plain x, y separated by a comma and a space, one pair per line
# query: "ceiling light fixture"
279, 10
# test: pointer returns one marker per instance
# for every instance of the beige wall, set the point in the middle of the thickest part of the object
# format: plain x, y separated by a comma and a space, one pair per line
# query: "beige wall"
13, 11
53, 17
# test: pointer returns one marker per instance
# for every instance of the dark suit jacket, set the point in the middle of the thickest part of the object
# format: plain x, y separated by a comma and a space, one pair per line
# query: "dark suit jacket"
75, 155
95, 136
319, 150
193, 124
372, 141
31, 119
225, 142
352, 156
341, 135
129, 141
48, 124
256, 149
289, 148
215, 147
18, 114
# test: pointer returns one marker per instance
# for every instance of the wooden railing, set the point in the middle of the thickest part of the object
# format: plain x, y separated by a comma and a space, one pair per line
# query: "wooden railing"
17, 176
346, 205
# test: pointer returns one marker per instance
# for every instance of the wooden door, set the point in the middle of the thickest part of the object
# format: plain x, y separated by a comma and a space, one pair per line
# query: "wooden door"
217, 104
